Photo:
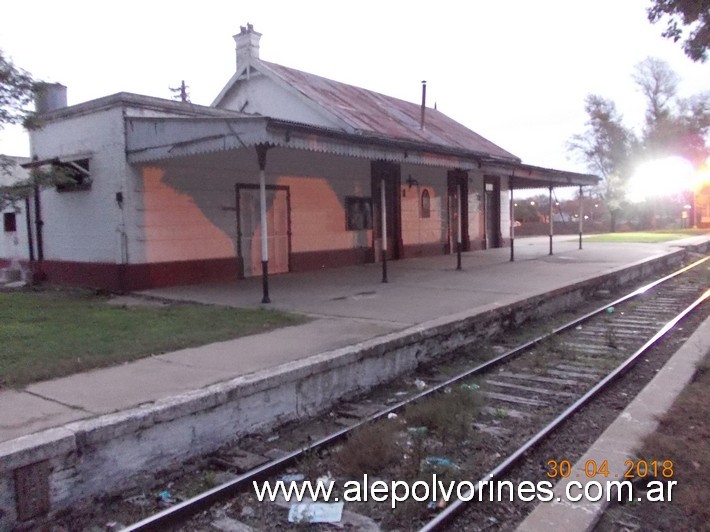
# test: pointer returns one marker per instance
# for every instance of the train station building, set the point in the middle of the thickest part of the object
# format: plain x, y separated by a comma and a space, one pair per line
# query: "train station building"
285, 171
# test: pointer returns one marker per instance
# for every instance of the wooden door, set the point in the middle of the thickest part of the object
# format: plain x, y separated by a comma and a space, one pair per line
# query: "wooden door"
249, 228
457, 184
492, 212
390, 172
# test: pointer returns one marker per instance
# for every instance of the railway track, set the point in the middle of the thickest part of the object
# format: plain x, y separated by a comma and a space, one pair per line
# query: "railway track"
527, 392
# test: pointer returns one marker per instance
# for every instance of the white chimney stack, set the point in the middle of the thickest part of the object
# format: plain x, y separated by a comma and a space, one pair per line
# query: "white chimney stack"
247, 46
50, 97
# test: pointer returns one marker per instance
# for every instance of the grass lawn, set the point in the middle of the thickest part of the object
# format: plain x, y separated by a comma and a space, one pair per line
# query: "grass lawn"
645, 236
47, 334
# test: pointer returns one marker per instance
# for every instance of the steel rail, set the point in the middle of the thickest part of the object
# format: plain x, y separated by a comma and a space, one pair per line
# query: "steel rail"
457, 506
180, 512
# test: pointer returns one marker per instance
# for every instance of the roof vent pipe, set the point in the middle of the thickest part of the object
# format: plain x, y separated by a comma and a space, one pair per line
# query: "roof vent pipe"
421, 125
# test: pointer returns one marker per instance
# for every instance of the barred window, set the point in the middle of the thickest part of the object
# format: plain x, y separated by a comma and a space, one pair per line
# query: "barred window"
358, 213
9, 222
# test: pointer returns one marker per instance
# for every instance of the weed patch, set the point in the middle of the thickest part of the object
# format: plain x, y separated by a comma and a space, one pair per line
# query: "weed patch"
369, 448
450, 415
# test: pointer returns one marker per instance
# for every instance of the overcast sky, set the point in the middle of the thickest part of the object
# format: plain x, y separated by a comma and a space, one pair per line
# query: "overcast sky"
515, 71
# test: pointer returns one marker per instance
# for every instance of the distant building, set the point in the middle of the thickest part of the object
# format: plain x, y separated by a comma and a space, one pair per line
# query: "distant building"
702, 206
168, 192
13, 239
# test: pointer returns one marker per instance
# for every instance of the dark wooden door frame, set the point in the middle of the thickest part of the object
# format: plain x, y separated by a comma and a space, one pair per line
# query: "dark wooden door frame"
496, 229
392, 174
454, 178
248, 186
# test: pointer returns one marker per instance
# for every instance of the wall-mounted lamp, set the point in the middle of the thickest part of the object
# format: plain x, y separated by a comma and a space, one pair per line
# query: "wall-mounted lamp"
411, 182
119, 199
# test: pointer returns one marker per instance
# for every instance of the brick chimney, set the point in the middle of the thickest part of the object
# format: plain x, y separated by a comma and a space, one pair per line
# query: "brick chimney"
247, 45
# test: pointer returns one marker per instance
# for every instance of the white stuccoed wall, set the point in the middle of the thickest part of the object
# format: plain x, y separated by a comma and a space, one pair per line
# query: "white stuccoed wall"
90, 226
475, 208
84, 226
13, 245
260, 95
504, 208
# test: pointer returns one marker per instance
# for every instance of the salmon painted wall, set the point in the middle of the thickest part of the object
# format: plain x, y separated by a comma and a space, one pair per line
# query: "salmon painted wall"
174, 226
417, 228
188, 209
319, 185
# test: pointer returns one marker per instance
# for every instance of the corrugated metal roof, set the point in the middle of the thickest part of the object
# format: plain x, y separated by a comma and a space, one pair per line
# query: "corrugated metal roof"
373, 113
157, 138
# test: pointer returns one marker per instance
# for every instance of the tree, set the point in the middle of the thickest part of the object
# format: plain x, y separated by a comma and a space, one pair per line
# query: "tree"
16, 92
606, 147
691, 16
694, 122
659, 84
673, 125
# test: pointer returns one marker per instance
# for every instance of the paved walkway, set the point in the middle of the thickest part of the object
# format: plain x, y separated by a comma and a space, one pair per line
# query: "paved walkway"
349, 305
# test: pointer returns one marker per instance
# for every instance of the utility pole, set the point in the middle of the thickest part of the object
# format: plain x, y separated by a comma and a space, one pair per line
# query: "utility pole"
180, 93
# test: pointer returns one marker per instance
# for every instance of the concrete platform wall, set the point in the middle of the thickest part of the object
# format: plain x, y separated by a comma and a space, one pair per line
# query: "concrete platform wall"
111, 453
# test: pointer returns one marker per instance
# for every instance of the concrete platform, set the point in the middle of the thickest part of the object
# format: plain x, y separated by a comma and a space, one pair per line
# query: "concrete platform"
143, 415
424, 288
350, 305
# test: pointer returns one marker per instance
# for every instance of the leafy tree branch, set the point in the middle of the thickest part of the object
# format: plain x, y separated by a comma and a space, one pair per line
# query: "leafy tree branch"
685, 19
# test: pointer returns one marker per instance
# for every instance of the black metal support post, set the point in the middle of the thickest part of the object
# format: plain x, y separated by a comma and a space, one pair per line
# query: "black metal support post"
383, 215
30, 240
551, 221
512, 222
459, 221
581, 214
38, 224
265, 281
261, 150
384, 266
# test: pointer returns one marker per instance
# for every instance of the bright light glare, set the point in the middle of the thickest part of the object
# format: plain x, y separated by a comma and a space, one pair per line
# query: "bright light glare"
662, 177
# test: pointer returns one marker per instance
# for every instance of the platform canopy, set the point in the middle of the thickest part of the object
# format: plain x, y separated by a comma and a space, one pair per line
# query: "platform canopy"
159, 138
